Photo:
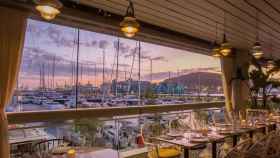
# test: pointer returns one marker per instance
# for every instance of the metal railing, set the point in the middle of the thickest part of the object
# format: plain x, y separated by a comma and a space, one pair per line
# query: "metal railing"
67, 114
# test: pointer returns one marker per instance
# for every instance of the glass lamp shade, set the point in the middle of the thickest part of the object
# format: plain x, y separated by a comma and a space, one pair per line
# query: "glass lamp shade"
225, 49
257, 51
130, 35
129, 26
216, 51
216, 54
48, 9
257, 54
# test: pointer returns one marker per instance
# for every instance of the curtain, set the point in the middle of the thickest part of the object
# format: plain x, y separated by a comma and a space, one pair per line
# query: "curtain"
227, 67
236, 91
12, 33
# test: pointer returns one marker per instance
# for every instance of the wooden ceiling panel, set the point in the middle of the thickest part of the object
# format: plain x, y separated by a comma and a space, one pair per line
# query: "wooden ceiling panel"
199, 18
267, 14
204, 10
265, 28
143, 15
178, 26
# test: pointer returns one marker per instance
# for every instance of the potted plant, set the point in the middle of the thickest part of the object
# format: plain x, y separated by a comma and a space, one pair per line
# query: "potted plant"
262, 81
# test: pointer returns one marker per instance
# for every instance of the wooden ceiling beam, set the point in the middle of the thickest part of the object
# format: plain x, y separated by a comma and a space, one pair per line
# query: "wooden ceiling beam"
90, 18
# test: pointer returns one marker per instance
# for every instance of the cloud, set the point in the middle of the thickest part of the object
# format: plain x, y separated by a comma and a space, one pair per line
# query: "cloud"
103, 44
123, 48
35, 59
159, 58
60, 36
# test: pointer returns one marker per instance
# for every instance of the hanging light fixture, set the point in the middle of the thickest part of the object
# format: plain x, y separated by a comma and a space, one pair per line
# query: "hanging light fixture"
216, 48
129, 25
48, 9
257, 49
225, 46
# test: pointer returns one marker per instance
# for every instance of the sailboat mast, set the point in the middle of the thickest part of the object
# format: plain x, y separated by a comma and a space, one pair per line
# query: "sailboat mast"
139, 73
95, 75
77, 68
103, 77
53, 73
41, 77
117, 69
131, 69
151, 62
43, 73
103, 68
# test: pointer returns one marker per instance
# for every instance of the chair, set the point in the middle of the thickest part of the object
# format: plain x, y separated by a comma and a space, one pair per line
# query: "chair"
19, 149
46, 145
164, 152
273, 146
259, 148
239, 150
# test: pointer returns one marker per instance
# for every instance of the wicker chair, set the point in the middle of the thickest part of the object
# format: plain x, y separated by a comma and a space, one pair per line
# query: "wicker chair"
265, 148
239, 150
273, 146
19, 149
163, 152
46, 145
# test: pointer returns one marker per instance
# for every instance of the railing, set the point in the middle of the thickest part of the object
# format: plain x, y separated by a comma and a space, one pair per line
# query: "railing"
115, 128
60, 115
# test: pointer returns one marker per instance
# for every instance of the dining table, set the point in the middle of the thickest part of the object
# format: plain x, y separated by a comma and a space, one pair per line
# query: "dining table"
188, 143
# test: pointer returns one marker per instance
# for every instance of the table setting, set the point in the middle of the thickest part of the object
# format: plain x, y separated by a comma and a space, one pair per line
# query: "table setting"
201, 131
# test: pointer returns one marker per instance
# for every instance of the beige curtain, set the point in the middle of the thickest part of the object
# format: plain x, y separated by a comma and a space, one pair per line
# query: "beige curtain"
236, 91
12, 32
227, 67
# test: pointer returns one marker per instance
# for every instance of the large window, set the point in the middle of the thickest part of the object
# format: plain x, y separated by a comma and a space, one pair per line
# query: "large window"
63, 67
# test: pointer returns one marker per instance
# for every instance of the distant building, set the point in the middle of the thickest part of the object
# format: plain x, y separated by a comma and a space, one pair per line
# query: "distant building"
129, 86
88, 89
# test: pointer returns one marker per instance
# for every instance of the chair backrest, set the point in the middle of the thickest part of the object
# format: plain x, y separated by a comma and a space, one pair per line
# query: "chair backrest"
19, 149
47, 145
153, 153
273, 146
238, 150
260, 148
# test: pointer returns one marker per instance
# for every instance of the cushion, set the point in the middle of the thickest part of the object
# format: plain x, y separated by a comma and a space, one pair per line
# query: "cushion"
168, 152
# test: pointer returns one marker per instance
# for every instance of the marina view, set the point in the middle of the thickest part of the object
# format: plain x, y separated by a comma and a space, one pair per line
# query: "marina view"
99, 70
139, 79
67, 68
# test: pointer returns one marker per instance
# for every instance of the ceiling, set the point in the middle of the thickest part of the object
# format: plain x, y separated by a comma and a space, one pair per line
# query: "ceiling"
199, 18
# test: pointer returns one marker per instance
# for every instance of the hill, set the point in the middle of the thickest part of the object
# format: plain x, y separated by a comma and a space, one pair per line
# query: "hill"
193, 80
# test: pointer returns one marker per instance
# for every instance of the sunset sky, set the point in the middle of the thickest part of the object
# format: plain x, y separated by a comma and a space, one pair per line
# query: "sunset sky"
51, 46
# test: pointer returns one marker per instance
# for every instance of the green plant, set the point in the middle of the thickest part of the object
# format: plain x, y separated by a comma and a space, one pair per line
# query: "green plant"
262, 81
